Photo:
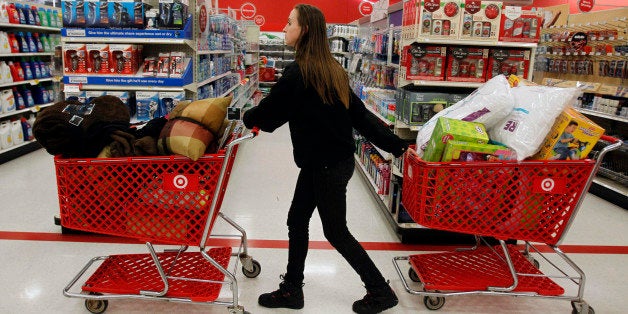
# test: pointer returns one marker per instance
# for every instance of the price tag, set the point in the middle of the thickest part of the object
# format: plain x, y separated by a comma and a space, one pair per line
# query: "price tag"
70, 88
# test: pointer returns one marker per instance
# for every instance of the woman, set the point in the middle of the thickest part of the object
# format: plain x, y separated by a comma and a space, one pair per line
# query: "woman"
314, 97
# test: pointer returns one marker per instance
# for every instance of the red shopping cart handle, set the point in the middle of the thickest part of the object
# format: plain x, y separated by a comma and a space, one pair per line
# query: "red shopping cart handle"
609, 138
255, 131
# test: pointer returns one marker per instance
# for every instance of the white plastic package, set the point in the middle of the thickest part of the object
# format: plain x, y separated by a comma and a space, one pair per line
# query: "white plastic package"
536, 108
488, 104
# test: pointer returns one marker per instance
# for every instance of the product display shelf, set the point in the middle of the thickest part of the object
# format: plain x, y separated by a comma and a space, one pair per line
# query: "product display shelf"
382, 199
18, 150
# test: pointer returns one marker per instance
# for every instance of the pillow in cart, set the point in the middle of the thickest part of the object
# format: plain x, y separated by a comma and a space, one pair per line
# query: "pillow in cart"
192, 127
210, 112
184, 137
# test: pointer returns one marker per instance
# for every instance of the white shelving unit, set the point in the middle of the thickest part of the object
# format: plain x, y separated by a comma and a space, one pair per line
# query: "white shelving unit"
16, 151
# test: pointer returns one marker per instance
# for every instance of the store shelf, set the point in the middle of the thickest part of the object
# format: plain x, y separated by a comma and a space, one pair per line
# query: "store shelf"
454, 42
610, 190
446, 83
28, 26
603, 115
402, 125
379, 116
213, 52
384, 200
213, 78
16, 151
33, 109
30, 82
27, 54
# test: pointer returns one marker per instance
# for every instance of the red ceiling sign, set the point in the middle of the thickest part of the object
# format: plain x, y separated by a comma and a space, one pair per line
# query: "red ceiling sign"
365, 8
585, 5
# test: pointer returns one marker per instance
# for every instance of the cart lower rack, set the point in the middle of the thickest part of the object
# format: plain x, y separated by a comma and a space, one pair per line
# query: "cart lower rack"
167, 200
531, 201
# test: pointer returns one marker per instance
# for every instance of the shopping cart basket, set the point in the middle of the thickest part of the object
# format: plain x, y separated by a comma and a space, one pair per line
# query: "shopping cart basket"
169, 200
531, 201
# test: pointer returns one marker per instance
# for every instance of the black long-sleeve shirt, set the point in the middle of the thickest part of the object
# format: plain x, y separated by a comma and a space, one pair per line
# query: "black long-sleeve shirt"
321, 133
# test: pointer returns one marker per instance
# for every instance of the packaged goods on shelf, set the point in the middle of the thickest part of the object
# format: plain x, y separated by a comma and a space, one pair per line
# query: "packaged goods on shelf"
518, 25
440, 19
147, 105
571, 137
447, 129
480, 20
508, 62
168, 100
97, 58
466, 64
425, 62
74, 58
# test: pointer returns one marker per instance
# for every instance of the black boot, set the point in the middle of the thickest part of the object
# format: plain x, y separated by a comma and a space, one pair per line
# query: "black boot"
288, 295
376, 300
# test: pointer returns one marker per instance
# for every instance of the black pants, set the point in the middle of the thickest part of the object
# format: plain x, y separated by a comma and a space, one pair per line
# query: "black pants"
325, 188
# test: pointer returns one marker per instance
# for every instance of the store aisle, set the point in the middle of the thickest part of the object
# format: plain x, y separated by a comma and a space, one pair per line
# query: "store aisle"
38, 261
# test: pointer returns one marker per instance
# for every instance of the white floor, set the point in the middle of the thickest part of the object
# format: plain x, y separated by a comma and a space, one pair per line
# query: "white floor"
37, 262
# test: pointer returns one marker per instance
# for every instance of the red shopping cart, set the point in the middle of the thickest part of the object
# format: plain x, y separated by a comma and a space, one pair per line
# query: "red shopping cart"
168, 200
531, 201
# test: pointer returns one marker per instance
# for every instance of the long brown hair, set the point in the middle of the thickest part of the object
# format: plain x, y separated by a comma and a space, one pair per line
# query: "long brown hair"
318, 67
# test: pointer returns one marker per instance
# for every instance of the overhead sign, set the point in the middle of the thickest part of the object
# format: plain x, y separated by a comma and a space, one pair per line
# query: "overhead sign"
365, 8
585, 5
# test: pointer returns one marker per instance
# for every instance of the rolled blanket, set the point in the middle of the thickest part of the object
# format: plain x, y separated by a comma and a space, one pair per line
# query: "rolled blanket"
73, 129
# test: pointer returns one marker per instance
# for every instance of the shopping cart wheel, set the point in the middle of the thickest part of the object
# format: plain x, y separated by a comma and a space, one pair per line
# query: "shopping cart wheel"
413, 275
581, 308
257, 268
96, 306
434, 303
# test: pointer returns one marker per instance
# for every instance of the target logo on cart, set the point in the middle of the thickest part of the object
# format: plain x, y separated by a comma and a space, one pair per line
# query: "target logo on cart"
180, 182
550, 185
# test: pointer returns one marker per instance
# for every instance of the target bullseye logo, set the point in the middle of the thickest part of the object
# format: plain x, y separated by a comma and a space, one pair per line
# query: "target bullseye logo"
180, 181
547, 184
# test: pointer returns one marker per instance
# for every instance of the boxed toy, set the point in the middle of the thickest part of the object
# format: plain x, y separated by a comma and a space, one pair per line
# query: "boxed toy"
480, 20
97, 58
440, 19
425, 62
520, 25
507, 62
572, 137
466, 64
447, 129
74, 58
466, 151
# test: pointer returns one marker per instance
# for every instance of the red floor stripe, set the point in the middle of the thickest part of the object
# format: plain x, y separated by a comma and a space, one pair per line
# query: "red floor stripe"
283, 244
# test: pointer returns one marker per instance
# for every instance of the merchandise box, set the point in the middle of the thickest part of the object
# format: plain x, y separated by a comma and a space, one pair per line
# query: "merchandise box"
419, 107
466, 64
519, 25
577, 135
480, 20
440, 19
98, 58
410, 19
425, 62
466, 151
447, 129
74, 58
147, 103
73, 12
508, 62
96, 13
125, 14
123, 58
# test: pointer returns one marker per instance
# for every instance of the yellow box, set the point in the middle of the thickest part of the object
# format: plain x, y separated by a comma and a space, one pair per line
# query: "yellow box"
577, 135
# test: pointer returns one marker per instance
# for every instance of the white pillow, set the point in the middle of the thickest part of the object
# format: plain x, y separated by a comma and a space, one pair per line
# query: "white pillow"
488, 104
536, 108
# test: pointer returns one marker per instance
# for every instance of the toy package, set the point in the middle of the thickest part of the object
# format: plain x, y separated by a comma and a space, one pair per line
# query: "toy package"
508, 62
466, 64
520, 25
480, 20
466, 151
440, 19
425, 62
572, 137
447, 129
